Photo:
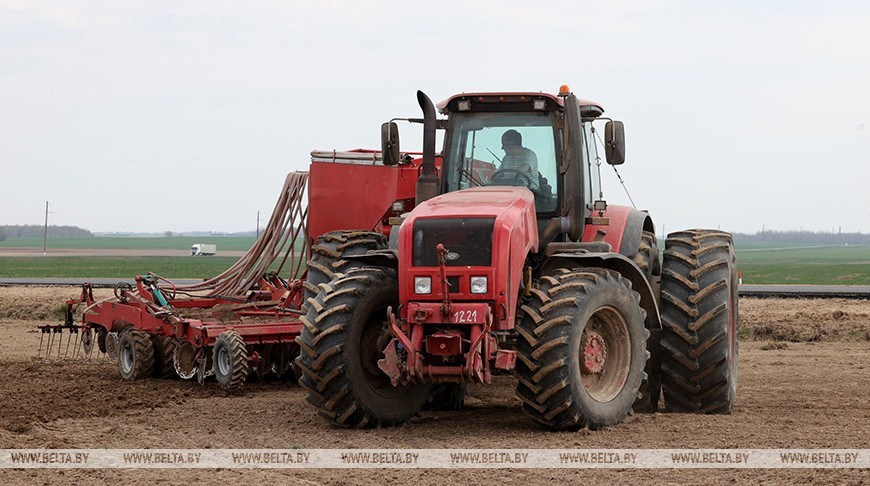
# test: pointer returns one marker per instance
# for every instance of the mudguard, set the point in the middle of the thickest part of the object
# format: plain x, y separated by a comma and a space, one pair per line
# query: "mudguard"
620, 263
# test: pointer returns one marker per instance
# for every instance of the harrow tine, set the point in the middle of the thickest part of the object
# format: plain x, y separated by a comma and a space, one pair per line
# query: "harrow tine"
41, 339
50, 344
66, 352
59, 332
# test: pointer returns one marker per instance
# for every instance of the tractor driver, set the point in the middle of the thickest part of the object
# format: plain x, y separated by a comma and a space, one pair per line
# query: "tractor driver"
519, 158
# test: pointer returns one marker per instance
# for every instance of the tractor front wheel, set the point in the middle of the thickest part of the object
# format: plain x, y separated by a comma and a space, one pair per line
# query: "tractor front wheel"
581, 350
344, 335
328, 257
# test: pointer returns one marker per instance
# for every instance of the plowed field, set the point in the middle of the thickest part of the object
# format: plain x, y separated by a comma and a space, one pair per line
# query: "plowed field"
804, 383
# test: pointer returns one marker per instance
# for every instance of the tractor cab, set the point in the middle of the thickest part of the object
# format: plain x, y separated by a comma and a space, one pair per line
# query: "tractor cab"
539, 141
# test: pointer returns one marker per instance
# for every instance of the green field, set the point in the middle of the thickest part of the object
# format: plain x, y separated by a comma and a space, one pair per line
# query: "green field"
809, 265
117, 267
771, 264
225, 243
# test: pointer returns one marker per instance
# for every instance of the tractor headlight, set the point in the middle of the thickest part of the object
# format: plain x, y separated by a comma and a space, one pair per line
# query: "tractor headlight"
478, 285
422, 285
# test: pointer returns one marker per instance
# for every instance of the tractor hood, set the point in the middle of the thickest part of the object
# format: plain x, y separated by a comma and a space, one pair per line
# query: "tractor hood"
512, 210
493, 201
489, 231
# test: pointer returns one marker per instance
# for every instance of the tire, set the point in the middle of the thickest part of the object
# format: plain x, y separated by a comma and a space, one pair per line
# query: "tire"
327, 257
111, 342
341, 345
284, 362
647, 258
230, 360
164, 350
88, 340
588, 306
699, 322
101, 338
446, 396
135, 354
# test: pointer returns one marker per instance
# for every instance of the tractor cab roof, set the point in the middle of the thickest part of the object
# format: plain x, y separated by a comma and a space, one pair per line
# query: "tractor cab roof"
510, 101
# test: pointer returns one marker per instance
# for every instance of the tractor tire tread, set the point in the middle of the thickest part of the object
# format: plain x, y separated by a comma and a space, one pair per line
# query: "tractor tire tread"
699, 322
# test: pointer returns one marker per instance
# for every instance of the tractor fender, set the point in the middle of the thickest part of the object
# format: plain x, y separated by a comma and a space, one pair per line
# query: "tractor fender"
377, 258
620, 263
624, 228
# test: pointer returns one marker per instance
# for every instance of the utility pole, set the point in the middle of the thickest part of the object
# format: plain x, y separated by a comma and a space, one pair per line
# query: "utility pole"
45, 233
258, 224
762, 235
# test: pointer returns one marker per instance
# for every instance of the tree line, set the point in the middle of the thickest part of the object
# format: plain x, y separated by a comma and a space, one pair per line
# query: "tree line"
815, 237
36, 231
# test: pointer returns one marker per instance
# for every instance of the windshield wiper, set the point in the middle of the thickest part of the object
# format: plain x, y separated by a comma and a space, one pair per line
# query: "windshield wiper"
471, 178
494, 155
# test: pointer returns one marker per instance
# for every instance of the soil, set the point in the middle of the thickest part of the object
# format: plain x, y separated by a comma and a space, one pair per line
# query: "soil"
804, 383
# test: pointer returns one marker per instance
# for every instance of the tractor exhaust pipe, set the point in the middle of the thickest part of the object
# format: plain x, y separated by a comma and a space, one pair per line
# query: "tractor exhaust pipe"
427, 183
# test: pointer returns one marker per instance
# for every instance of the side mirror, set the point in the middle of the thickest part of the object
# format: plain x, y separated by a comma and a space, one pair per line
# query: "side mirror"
390, 143
614, 142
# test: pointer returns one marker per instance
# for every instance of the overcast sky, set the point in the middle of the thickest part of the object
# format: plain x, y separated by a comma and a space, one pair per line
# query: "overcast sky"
167, 115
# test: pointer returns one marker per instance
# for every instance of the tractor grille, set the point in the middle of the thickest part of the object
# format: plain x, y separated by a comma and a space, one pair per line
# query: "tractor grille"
469, 241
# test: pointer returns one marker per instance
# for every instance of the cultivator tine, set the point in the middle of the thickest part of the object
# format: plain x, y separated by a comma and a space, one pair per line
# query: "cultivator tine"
41, 340
59, 332
68, 340
52, 347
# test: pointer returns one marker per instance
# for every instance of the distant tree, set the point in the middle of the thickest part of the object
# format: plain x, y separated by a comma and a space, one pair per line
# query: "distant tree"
167, 234
2, 234
37, 231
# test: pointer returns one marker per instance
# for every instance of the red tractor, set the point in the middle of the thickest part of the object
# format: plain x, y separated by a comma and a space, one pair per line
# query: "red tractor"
448, 269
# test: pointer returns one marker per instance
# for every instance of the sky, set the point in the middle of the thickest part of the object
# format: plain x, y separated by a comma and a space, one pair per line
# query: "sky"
154, 116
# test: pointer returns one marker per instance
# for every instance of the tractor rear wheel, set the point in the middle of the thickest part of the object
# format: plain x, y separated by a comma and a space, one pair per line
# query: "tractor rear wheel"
135, 354
230, 359
699, 322
327, 257
581, 350
647, 259
344, 335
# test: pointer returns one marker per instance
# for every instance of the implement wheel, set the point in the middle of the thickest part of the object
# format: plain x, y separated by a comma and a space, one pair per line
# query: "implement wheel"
699, 322
164, 350
327, 257
230, 358
340, 348
112, 346
581, 350
88, 340
135, 354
